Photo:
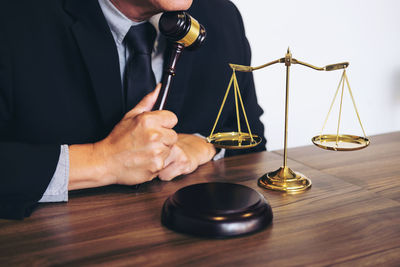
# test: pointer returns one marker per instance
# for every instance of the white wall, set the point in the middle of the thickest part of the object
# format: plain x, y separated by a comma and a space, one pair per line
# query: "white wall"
365, 33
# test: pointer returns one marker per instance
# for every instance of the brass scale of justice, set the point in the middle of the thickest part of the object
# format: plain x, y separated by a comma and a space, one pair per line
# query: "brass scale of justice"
284, 178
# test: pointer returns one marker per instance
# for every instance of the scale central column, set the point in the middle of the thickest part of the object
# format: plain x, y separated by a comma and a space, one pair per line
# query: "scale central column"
288, 62
284, 179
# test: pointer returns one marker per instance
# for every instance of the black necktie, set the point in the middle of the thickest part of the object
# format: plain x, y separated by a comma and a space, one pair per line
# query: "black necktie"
139, 77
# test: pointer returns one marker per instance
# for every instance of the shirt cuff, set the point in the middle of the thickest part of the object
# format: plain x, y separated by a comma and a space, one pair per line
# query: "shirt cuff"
220, 154
57, 190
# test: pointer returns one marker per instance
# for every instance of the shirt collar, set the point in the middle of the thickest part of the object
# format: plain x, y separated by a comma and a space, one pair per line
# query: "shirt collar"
119, 24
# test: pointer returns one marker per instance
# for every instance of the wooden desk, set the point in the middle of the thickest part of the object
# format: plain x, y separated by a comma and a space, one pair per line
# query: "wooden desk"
350, 216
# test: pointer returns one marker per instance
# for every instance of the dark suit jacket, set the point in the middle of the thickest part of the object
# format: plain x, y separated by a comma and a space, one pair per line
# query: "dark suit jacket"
60, 84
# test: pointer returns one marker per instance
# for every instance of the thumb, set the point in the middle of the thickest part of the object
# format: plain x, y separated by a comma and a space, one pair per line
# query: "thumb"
146, 104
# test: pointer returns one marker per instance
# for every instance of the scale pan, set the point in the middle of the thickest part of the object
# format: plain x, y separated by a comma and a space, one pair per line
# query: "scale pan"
345, 142
234, 140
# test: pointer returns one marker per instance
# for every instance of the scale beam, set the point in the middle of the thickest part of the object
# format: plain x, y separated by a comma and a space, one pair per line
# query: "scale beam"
331, 67
243, 68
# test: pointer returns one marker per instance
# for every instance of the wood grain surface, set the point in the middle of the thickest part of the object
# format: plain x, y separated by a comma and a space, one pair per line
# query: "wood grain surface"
350, 217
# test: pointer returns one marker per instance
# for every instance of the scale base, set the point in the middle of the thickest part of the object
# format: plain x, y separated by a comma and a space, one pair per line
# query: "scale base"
284, 179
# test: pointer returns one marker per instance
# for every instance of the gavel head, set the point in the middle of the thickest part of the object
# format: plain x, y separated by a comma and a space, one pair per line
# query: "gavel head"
180, 27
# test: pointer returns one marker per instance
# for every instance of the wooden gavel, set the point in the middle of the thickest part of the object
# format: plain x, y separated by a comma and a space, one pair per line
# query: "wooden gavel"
184, 32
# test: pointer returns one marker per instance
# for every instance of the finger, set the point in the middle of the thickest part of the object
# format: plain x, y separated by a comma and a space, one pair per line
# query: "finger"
168, 137
175, 169
176, 164
164, 118
169, 173
146, 104
157, 119
156, 164
173, 154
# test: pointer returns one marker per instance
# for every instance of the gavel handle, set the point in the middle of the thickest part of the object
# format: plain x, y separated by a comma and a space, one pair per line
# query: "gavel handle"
169, 73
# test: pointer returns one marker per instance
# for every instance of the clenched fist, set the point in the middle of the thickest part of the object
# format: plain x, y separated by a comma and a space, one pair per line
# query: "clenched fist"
134, 152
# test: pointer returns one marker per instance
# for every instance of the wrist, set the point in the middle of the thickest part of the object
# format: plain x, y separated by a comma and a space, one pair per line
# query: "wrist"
102, 161
88, 167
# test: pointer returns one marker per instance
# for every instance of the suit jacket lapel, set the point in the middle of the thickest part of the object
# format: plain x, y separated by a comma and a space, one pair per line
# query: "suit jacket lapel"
100, 56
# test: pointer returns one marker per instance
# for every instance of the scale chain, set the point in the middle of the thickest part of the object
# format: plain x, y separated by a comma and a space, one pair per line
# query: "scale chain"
236, 103
354, 104
340, 110
223, 103
332, 103
243, 109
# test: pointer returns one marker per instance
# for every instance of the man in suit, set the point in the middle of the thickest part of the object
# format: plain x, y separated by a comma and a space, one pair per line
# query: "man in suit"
63, 124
